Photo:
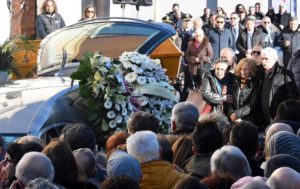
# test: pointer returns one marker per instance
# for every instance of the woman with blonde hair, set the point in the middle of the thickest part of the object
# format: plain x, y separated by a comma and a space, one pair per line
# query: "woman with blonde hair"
245, 92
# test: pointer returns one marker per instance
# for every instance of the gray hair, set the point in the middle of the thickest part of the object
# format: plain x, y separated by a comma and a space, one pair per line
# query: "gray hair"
34, 165
219, 118
230, 159
41, 183
270, 52
144, 146
86, 162
185, 115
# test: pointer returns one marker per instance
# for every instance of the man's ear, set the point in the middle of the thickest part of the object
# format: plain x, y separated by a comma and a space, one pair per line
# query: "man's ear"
173, 126
193, 150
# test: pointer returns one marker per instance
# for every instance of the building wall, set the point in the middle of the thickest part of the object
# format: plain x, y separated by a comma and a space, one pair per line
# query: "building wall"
71, 9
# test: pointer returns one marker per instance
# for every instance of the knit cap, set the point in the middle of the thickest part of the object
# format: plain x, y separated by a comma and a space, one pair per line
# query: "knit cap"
281, 160
121, 163
284, 142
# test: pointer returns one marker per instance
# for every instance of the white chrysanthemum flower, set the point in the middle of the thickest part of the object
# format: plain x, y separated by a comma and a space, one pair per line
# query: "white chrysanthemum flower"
107, 104
137, 70
124, 112
127, 65
111, 114
123, 104
131, 77
141, 80
156, 61
119, 119
112, 124
151, 80
117, 107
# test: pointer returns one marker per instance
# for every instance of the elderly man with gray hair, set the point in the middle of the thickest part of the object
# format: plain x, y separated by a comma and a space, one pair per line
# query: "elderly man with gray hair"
33, 165
278, 84
144, 146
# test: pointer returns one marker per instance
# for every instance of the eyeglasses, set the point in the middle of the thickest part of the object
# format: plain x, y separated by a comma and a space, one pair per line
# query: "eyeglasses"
256, 53
220, 22
267, 22
219, 10
88, 11
233, 18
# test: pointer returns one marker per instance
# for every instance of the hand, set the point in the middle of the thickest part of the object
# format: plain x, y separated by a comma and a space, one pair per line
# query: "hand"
281, 26
197, 59
228, 98
233, 117
224, 90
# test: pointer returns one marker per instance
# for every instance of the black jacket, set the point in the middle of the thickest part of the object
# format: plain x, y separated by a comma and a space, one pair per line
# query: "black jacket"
294, 38
282, 87
258, 38
294, 66
244, 100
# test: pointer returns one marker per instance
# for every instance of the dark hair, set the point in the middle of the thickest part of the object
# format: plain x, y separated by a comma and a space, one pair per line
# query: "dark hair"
190, 183
289, 110
43, 9
15, 151
237, 8
167, 153
124, 182
79, 135
218, 180
175, 4
63, 160
182, 150
142, 121
244, 135
207, 137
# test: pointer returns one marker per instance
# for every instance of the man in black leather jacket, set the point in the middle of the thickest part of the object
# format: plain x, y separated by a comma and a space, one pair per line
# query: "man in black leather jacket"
278, 85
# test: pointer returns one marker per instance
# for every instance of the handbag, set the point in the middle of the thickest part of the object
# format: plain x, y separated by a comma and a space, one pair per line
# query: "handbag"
195, 97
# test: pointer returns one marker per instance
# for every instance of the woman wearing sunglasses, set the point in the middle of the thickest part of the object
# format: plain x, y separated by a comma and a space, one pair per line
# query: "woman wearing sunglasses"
89, 13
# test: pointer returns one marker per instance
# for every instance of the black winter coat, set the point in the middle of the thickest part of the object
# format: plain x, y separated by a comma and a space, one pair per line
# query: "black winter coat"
282, 87
244, 100
294, 66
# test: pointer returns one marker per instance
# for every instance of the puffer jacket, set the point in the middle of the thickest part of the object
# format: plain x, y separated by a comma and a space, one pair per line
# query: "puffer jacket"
160, 175
46, 23
204, 52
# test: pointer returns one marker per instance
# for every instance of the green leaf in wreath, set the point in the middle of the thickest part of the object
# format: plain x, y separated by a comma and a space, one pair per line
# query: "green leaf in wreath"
104, 125
97, 76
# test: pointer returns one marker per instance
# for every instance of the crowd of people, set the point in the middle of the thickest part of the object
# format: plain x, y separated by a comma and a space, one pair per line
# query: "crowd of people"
244, 64
246, 71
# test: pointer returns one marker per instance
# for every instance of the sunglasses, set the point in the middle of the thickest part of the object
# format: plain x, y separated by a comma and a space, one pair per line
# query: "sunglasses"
90, 11
220, 22
267, 22
255, 52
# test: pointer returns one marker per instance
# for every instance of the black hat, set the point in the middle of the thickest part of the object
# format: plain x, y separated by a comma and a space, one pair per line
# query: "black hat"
167, 19
187, 17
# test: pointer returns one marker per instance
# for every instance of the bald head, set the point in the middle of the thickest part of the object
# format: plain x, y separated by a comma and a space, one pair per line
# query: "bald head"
276, 127
284, 178
256, 185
